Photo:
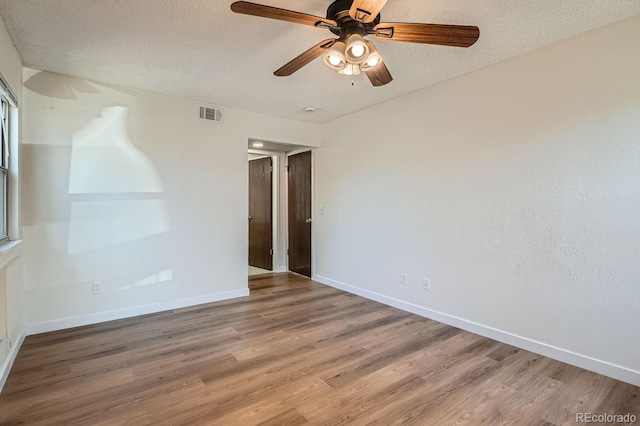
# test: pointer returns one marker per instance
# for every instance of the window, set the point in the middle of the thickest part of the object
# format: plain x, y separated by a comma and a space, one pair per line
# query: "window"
4, 166
8, 104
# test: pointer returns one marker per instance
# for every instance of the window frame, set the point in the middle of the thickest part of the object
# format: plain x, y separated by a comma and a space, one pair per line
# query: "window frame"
8, 104
4, 164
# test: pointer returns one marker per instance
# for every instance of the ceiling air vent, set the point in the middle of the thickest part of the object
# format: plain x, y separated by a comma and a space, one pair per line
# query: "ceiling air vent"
213, 114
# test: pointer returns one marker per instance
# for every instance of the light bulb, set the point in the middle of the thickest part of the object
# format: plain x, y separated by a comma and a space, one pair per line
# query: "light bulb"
373, 61
334, 60
357, 50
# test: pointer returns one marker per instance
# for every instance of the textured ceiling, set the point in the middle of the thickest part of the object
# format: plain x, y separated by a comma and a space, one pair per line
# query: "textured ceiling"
199, 49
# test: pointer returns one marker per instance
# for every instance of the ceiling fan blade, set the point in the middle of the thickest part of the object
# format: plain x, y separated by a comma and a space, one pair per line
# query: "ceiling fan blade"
379, 75
254, 9
444, 35
304, 58
366, 10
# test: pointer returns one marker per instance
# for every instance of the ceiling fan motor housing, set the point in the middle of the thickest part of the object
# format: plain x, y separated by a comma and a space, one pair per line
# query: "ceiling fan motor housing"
339, 11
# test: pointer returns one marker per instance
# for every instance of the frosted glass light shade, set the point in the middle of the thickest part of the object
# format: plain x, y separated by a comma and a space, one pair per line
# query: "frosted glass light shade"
374, 57
334, 58
357, 49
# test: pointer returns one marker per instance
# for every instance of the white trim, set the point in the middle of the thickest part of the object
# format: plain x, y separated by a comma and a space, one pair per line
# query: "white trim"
583, 361
7, 93
11, 357
313, 211
61, 324
261, 151
275, 210
10, 248
14, 222
9, 252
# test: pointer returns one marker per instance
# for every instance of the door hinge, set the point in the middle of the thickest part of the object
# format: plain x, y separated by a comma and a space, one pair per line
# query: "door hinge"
270, 169
271, 252
287, 252
286, 167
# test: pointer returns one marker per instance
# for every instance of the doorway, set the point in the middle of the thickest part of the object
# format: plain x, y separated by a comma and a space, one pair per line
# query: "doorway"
260, 215
299, 213
287, 245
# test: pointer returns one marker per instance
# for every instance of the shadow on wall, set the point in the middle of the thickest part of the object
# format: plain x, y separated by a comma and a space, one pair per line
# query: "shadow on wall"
116, 194
96, 207
59, 86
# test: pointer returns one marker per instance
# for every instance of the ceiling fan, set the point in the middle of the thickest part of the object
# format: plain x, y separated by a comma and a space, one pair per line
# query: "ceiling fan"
351, 21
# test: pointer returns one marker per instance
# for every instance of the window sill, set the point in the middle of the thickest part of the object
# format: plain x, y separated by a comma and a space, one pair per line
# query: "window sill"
10, 248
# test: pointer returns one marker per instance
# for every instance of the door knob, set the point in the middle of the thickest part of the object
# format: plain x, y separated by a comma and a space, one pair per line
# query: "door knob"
250, 218
308, 220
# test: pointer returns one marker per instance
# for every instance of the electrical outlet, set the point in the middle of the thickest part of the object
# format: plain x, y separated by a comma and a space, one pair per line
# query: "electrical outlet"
426, 283
403, 279
96, 287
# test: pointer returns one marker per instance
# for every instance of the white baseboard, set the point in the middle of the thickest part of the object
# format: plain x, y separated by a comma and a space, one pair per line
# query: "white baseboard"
8, 363
78, 321
596, 365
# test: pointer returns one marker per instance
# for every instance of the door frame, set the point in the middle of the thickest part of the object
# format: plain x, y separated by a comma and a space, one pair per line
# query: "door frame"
280, 203
273, 208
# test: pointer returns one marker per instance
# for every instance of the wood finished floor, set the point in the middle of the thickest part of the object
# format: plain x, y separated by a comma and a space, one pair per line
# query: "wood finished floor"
294, 352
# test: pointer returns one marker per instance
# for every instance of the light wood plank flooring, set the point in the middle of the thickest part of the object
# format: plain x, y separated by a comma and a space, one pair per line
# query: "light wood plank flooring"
294, 352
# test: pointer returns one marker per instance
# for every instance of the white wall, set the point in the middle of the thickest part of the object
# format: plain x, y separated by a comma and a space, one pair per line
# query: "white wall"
10, 260
133, 190
515, 189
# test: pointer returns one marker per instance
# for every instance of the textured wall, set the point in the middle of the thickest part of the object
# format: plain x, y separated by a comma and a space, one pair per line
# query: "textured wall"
515, 189
133, 190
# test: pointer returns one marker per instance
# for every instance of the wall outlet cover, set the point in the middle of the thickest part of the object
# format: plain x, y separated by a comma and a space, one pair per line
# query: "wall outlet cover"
426, 283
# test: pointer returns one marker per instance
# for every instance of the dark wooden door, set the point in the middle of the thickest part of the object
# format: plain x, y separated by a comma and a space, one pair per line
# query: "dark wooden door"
260, 214
299, 180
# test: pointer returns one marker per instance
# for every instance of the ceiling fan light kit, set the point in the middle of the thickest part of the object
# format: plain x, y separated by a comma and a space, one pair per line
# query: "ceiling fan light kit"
353, 20
357, 51
335, 58
350, 69
374, 57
